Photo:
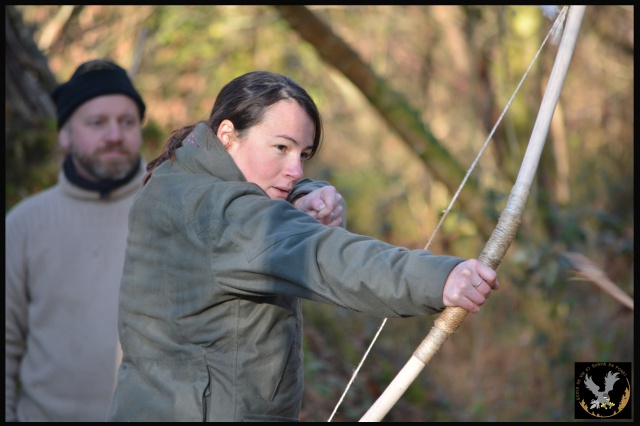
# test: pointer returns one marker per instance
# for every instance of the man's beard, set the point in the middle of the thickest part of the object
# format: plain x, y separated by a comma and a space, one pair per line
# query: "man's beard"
106, 169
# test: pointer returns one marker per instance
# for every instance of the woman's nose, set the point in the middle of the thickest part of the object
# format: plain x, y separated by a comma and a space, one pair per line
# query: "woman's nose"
294, 168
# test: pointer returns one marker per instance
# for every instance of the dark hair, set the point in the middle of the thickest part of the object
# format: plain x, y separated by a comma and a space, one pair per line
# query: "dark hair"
244, 101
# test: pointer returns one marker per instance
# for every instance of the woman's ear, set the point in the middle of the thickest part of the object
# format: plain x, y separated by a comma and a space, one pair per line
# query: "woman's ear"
226, 133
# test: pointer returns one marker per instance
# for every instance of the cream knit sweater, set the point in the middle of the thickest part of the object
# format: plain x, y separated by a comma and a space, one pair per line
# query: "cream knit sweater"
64, 257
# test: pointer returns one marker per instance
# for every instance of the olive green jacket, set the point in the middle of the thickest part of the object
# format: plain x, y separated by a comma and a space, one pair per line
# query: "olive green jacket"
210, 318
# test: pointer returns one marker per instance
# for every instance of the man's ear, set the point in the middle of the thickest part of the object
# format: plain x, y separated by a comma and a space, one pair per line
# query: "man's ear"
64, 138
226, 133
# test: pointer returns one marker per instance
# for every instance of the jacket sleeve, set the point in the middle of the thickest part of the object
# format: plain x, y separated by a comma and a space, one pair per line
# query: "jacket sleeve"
16, 308
305, 186
294, 255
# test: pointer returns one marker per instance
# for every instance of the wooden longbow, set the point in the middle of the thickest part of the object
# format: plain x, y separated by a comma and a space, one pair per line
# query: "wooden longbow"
505, 231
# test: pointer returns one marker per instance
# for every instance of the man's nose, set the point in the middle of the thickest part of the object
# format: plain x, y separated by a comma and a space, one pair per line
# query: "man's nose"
114, 132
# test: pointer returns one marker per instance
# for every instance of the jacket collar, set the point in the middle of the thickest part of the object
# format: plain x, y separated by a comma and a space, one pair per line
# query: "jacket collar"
202, 152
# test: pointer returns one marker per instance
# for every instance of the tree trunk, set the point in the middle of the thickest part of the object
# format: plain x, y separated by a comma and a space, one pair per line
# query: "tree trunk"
28, 79
30, 135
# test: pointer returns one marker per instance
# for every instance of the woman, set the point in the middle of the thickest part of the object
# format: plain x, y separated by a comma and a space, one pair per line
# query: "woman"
222, 247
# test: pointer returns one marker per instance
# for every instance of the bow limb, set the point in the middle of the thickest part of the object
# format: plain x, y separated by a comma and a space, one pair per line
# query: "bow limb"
505, 231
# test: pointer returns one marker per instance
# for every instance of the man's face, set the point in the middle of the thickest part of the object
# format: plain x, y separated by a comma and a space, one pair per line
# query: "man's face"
104, 137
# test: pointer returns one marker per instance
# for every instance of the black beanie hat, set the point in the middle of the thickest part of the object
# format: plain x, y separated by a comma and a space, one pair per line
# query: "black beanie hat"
91, 79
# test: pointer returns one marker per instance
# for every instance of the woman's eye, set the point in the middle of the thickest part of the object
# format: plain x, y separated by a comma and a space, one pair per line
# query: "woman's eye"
305, 155
281, 148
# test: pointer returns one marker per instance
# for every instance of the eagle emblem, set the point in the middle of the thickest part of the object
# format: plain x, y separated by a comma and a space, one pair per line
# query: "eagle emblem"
602, 398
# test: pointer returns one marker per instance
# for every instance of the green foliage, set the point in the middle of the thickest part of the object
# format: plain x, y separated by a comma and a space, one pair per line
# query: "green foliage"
32, 163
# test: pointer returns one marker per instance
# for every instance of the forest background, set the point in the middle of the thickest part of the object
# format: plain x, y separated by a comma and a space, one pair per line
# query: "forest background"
408, 94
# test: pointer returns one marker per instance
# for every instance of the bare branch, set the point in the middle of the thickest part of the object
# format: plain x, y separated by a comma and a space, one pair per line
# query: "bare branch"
587, 270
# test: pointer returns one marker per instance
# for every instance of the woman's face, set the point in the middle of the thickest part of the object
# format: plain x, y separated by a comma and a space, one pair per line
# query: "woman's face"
271, 154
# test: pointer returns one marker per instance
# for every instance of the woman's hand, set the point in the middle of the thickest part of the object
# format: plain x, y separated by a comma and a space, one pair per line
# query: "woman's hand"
469, 285
324, 204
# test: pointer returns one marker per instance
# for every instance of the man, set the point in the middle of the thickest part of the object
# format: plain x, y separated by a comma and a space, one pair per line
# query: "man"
65, 252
